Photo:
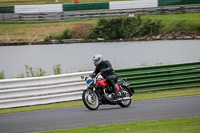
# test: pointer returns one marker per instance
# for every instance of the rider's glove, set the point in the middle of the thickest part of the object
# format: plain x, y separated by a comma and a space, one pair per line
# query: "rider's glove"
93, 75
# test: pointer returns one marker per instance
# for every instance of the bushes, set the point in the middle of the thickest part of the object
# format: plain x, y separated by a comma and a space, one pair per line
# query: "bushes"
124, 27
115, 28
64, 35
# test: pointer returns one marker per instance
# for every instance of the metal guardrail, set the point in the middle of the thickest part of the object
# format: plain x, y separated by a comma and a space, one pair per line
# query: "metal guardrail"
79, 7
41, 90
67, 87
67, 16
162, 77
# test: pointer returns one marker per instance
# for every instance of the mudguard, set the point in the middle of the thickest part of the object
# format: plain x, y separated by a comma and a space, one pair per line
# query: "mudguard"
130, 89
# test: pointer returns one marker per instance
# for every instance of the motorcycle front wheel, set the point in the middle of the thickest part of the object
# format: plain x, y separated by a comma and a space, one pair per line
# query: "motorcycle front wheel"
90, 99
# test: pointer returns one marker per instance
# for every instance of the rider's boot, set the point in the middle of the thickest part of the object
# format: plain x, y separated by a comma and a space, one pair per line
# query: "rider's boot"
116, 93
114, 89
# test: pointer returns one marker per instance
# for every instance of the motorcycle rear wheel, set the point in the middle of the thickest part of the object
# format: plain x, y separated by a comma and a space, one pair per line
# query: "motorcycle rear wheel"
90, 99
126, 103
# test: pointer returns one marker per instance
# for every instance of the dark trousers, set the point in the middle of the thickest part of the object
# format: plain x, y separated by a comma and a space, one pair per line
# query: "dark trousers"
112, 79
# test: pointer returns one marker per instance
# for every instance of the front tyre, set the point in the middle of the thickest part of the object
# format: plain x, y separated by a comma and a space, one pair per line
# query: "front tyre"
125, 103
90, 99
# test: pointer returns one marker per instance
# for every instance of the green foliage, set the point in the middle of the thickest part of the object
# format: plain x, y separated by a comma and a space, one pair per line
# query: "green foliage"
38, 72
159, 64
143, 64
83, 70
148, 28
57, 69
124, 27
59, 36
2, 75
33, 73
21, 76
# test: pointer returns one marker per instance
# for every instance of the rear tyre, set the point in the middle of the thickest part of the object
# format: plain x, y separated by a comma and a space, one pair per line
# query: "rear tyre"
90, 99
125, 103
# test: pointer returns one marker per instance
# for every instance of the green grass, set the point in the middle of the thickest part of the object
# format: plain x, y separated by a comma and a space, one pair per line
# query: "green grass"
167, 94
136, 97
38, 31
177, 22
182, 125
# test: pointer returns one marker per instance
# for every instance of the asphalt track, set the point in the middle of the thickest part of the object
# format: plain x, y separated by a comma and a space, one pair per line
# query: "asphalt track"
146, 110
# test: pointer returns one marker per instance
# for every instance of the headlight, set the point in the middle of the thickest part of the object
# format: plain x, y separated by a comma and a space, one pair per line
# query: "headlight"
89, 81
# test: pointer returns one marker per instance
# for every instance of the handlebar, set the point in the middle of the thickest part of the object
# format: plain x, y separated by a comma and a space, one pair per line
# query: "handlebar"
85, 78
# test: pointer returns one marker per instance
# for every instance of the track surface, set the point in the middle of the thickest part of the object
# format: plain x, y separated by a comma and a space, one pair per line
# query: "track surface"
65, 118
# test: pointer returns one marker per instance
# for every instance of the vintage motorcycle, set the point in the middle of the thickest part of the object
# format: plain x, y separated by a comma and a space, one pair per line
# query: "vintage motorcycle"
98, 92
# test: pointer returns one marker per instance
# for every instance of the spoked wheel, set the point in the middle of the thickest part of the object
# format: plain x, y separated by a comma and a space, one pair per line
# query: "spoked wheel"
125, 103
90, 99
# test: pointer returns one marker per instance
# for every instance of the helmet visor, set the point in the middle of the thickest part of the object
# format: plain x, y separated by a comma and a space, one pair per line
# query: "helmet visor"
96, 61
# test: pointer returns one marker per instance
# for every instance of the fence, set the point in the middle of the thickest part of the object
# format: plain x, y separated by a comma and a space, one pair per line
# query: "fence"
93, 6
87, 6
177, 2
41, 90
78, 7
162, 77
67, 16
67, 87
37, 2
7, 9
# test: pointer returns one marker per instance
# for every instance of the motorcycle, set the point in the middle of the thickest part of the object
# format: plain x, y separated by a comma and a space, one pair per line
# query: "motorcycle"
99, 92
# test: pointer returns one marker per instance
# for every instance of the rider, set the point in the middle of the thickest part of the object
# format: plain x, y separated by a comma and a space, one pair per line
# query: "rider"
104, 67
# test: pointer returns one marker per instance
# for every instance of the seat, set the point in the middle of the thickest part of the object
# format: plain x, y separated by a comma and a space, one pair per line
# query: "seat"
120, 81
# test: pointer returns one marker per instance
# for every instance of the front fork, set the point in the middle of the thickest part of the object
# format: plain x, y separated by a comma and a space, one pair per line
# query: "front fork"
92, 91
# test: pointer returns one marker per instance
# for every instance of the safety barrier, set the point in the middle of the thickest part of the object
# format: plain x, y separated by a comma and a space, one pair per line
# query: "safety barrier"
7, 9
85, 6
38, 8
133, 4
67, 87
177, 2
93, 6
67, 16
162, 77
41, 90
80, 6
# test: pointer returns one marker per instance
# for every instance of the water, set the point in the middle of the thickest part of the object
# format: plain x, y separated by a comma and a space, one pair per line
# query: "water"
78, 57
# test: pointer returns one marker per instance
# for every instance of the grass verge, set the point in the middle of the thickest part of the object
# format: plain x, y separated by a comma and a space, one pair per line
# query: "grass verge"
38, 31
136, 97
34, 32
183, 125
177, 22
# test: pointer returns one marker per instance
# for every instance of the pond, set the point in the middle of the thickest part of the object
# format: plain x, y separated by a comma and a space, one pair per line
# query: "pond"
78, 57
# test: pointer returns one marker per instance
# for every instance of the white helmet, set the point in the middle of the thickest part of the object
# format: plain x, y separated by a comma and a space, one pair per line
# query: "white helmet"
98, 58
